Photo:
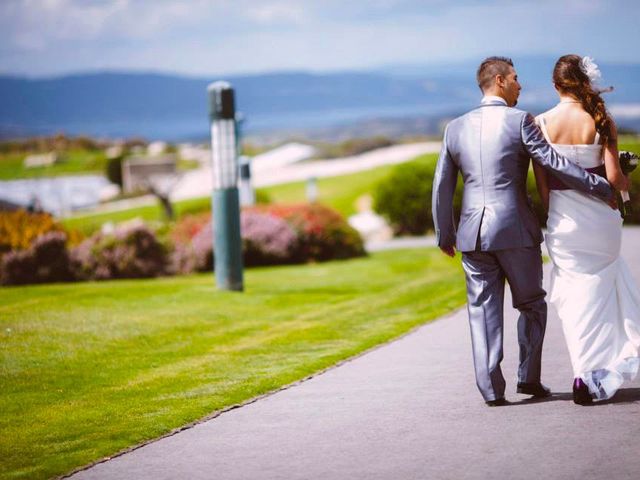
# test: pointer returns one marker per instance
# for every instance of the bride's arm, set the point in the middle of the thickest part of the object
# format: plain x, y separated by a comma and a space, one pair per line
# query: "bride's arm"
542, 184
541, 179
616, 178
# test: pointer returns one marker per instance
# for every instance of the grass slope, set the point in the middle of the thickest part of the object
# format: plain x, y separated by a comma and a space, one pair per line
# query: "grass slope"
87, 370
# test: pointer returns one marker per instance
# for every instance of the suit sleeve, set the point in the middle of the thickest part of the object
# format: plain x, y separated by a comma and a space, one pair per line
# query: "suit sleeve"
444, 186
543, 154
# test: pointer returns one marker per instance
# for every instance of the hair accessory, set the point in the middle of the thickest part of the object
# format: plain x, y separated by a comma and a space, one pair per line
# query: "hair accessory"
590, 69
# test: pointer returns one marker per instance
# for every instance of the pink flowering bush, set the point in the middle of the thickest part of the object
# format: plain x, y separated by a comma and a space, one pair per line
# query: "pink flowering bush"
322, 232
266, 240
182, 260
202, 248
130, 252
273, 234
46, 260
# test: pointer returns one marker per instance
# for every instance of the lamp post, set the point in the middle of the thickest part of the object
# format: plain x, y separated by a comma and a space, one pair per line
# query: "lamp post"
225, 201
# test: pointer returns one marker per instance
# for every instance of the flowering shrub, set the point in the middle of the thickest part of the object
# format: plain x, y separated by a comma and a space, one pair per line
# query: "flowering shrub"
273, 234
188, 227
202, 245
18, 229
270, 235
46, 260
130, 252
182, 260
322, 232
266, 239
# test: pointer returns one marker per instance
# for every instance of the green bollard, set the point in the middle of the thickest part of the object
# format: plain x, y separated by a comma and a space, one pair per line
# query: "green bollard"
228, 243
225, 198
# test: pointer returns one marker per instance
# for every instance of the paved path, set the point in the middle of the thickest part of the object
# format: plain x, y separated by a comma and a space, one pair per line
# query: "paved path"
409, 410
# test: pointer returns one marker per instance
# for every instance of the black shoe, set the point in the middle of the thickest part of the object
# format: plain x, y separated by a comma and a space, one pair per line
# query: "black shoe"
498, 402
581, 395
538, 390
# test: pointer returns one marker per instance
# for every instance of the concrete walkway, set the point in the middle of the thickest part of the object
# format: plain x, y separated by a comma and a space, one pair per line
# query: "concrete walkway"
409, 410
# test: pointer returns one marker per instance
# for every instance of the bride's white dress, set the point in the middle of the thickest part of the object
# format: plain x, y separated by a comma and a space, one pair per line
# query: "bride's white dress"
592, 288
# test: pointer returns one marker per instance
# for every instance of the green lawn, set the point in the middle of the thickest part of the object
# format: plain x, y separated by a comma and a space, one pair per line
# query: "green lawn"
76, 161
73, 162
89, 369
339, 193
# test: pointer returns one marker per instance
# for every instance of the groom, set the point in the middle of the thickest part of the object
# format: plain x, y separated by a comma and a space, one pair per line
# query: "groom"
498, 233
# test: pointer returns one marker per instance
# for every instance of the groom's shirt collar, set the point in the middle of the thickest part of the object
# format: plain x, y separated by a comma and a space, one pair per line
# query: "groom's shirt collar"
492, 99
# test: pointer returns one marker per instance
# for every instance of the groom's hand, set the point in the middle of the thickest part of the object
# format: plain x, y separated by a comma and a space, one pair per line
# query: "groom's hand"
449, 251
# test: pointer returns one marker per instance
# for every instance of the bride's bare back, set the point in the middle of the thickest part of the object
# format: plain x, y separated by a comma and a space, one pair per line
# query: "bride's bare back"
569, 124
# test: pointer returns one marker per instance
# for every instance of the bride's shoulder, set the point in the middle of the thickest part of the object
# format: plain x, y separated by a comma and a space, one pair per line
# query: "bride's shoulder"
538, 118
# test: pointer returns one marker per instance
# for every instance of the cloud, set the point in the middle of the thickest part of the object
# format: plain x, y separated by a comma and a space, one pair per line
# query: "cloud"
199, 36
276, 13
32, 23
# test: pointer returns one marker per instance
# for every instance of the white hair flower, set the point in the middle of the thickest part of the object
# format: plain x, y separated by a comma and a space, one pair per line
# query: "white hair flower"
590, 69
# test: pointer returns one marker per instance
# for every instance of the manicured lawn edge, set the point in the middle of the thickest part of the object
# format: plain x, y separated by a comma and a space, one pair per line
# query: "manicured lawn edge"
217, 413
89, 378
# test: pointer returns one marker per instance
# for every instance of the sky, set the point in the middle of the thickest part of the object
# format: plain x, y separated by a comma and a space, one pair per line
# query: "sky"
211, 37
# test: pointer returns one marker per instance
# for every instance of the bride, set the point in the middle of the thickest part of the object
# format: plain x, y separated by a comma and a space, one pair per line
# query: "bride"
591, 286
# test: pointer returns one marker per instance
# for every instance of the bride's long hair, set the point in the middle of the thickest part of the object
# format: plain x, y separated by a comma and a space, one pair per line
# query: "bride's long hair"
569, 77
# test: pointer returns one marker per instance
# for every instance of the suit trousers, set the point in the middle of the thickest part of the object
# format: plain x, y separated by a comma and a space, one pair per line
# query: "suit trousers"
485, 274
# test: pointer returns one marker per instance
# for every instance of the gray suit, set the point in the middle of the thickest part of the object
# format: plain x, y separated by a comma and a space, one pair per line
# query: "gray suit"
498, 233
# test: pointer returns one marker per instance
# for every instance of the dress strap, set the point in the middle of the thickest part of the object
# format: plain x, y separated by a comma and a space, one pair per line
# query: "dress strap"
597, 140
543, 126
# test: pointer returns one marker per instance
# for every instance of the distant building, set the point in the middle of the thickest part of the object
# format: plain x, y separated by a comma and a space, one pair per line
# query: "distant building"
138, 172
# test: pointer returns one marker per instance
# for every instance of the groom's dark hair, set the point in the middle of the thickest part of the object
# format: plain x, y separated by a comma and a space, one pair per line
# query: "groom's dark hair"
491, 67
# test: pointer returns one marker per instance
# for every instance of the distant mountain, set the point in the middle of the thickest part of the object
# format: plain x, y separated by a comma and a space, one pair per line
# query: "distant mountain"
174, 107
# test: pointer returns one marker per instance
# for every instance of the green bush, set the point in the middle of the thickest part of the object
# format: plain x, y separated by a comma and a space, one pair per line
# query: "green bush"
114, 170
404, 198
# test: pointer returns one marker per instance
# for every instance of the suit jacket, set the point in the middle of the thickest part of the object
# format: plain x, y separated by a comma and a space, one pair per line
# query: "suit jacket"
491, 146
